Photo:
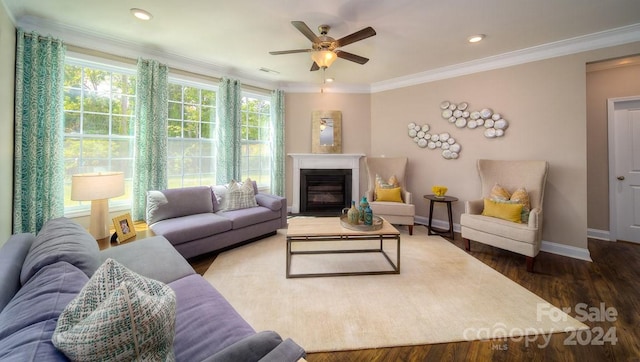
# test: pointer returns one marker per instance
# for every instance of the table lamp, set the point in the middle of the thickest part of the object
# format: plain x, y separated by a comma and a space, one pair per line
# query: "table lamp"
97, 188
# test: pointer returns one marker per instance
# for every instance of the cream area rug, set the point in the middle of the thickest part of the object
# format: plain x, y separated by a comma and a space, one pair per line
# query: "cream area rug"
442, 294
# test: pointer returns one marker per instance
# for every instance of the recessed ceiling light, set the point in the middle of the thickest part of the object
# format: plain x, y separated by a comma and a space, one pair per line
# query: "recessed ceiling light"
141, 14
329, 80
476, 38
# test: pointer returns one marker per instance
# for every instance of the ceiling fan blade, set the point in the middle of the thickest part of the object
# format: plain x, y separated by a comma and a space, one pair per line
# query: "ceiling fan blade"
352, 57
357, 36
304, 29
314, 67
280, 52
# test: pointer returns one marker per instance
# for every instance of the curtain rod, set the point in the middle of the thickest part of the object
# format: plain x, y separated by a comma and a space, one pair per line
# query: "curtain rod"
41, 37
126, 60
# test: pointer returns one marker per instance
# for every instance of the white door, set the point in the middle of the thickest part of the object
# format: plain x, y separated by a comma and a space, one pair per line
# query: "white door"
624, 168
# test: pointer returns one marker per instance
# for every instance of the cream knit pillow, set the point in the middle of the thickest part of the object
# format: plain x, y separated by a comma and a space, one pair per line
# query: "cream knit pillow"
118, 315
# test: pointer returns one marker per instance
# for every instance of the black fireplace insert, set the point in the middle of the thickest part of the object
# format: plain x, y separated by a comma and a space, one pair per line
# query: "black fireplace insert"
324, 192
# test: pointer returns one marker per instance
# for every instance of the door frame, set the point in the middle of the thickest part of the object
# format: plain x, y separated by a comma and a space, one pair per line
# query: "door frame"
613, 206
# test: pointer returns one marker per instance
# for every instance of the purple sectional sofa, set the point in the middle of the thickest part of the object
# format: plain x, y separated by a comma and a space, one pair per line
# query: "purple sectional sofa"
193, 220
40, 275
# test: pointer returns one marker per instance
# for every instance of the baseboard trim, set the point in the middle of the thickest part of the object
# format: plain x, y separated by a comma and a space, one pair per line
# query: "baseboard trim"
599, 234
566, 250
547, 246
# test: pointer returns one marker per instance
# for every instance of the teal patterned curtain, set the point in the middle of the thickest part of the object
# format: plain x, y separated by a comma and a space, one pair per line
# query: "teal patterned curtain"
229, 101
277, 143
39, 133
152, 112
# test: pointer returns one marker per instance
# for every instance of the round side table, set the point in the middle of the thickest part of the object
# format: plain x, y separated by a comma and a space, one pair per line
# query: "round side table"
437, 231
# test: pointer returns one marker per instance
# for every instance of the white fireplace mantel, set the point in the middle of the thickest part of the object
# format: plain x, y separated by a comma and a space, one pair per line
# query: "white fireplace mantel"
324, 161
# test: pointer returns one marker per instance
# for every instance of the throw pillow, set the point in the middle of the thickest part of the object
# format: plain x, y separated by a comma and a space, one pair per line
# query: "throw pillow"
239, 196
521, 196
118, 315
381, 184
499, 193
393, 195
501, 210
391, 183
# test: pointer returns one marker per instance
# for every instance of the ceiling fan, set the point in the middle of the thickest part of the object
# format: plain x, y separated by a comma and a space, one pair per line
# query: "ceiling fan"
324, 49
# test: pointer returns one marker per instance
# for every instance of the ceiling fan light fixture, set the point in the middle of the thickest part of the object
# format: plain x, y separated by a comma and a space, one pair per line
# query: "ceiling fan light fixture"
324, 58
476, 38
141, 14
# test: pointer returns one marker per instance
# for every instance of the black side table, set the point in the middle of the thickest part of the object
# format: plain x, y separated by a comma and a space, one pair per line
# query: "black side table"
447, 200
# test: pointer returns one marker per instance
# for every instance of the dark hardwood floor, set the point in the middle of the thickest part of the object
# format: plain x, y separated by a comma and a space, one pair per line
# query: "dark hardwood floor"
611, 282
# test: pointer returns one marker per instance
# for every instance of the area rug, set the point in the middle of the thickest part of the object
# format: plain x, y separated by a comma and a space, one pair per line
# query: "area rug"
442, 294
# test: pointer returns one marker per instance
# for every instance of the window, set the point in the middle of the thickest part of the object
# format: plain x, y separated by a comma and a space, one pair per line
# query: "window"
192, 114
99, 128
256, 139
99, 111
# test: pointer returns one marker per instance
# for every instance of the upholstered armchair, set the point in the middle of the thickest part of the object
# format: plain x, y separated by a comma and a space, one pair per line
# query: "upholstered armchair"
521, 236
395, 205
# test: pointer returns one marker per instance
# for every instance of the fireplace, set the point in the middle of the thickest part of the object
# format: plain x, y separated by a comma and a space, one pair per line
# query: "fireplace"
324, 191
319, 161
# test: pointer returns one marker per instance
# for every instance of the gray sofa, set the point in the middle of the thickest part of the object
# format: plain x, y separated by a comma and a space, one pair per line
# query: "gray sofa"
40, 275
193, 219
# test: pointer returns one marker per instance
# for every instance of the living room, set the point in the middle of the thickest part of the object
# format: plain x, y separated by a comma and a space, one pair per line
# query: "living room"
556, 110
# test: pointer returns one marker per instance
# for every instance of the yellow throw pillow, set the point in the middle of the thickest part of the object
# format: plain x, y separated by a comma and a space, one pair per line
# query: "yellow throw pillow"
510, 212
393, 195
499, 193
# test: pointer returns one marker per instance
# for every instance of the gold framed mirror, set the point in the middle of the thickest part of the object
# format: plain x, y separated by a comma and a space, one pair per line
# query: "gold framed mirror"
326, 132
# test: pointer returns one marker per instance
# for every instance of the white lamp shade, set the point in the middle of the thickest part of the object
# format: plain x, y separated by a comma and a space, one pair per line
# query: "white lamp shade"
324, 58
97, 186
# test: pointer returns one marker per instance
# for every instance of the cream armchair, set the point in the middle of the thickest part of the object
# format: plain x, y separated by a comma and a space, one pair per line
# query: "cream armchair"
399, 213
520, 238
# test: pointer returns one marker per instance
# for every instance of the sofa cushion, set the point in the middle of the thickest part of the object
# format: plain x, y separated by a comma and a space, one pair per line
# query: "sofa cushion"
29, 320
192, 227
12, 256
118, 315
170, 203
251, 216
61, 239
500, 227
42, 297
32, 344
149, 257
392, 208
205, 321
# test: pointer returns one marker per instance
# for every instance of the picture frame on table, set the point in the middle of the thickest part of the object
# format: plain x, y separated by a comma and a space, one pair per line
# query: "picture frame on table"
124, 227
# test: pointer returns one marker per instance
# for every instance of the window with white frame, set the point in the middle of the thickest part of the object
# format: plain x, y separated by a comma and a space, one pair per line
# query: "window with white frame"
99, 112
256, 139
191, 144
99, 128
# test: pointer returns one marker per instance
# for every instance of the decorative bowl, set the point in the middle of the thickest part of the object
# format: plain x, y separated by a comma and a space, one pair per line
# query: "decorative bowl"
439, 191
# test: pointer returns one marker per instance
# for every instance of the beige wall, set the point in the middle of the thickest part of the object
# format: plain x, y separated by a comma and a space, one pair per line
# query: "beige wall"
356, 127
545, 105
544, 101
601, 85
7, 70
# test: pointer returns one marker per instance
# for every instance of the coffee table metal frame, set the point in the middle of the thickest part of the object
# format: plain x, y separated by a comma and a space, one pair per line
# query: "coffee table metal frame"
339, 233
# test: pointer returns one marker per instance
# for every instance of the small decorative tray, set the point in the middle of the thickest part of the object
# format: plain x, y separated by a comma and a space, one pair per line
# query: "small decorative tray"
377, 224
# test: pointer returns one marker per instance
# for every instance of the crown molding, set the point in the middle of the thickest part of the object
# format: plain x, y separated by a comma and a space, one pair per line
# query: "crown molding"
604, 39
83, 38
